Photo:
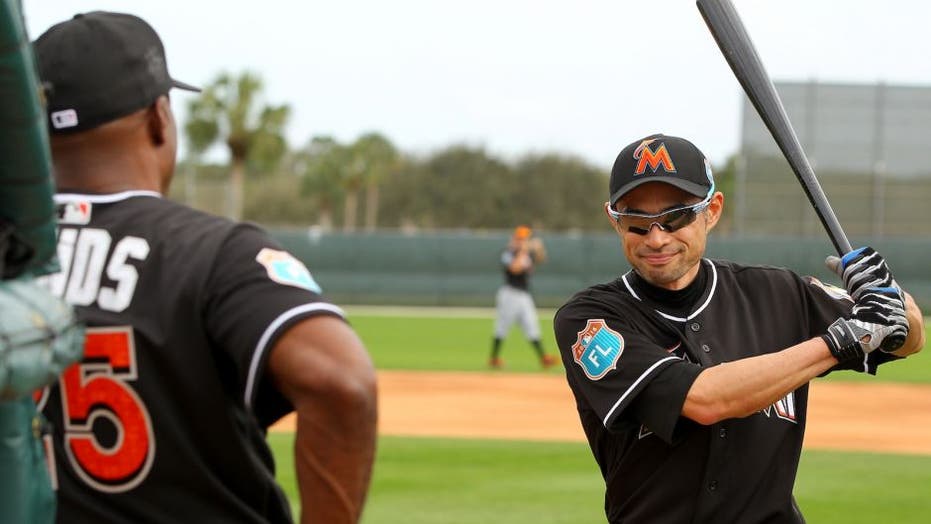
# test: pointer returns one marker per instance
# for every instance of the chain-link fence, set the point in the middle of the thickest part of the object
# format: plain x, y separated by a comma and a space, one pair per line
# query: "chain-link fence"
870, 146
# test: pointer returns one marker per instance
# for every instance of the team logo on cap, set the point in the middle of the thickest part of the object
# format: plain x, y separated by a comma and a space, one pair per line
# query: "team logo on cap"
64, 119
283, 268
648, 157
597, 349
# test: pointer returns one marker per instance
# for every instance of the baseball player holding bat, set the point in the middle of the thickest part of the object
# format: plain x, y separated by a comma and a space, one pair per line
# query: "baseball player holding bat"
691, 374
201, 333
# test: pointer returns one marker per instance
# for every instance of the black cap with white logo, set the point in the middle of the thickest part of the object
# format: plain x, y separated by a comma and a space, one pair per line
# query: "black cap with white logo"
100, 66
660, 158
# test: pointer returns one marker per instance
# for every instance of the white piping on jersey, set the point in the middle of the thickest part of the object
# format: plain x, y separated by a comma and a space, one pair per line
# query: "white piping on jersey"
629, 288
866, 363
633, 386
270, 330
714, 285
62, 198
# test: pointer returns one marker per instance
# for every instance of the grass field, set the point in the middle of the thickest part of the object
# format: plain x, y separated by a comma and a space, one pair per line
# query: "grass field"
452, 481
455, 481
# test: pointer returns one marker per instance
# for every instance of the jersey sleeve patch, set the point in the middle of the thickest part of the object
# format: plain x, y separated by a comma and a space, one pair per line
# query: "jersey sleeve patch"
597, 349
283, 268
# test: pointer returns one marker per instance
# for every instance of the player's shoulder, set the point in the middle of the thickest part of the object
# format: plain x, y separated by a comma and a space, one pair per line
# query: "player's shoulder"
770, 280
599, 298
194, 231
197, 221
184, 224
752, 272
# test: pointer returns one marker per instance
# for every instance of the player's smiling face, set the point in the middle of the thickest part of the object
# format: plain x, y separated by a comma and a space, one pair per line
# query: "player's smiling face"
666, 259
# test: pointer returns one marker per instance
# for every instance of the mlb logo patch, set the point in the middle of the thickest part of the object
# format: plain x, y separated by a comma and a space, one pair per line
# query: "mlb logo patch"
283, 268
597, 349
64, 119
78, 212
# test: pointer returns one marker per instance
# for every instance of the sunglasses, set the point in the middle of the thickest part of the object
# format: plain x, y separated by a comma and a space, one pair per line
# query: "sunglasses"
668, 221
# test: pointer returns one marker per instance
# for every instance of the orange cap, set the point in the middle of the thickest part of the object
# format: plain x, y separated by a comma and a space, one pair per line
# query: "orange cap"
522, 232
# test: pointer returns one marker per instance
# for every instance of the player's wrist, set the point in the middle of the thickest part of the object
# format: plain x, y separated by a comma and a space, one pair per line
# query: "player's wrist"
842, 342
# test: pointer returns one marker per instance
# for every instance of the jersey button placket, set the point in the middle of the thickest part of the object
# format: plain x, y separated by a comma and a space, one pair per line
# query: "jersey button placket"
713, 485
695, 327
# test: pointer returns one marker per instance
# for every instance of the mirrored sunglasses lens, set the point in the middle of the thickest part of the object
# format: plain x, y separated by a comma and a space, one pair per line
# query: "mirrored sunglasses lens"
678, 219
669, 222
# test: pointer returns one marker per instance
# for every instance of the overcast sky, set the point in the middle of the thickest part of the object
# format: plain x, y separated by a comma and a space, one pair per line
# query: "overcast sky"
584, 77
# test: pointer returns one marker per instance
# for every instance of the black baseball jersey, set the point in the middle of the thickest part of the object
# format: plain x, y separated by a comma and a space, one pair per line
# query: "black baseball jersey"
165, 417
630, 361
519, 280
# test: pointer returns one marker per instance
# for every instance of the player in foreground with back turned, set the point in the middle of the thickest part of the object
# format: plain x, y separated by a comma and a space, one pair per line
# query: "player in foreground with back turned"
691, 375
202, 332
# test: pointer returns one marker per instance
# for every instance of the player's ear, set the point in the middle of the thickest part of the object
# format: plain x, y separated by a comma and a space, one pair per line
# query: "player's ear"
160, 120
614, 224
715, 210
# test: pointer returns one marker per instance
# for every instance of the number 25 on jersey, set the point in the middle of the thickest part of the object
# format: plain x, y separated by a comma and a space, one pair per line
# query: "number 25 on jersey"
108, 436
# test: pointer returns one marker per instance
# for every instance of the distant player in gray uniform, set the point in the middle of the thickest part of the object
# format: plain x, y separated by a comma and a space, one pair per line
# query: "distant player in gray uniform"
513, 302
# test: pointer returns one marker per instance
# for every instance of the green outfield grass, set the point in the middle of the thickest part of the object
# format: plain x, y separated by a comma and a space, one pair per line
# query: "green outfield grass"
440, 343
458, 481
454, 481
462, 343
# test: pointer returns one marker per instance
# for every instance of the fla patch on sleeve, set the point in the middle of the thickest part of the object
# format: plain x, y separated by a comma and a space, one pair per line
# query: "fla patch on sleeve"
597, 349
283, 268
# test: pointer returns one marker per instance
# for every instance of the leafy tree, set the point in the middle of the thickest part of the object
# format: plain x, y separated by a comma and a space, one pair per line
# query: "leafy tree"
465, 187
322, 166
560, 192
725, 181
230, 109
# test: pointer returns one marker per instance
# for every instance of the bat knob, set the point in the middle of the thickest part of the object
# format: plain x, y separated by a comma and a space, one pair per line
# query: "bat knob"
892, 343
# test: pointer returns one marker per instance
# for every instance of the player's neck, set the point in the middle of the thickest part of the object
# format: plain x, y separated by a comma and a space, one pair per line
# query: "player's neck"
676, 300
106, 170
117, 156
93, 178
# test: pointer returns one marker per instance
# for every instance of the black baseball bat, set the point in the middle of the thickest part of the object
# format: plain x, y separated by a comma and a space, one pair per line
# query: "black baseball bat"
731, 35
741, 55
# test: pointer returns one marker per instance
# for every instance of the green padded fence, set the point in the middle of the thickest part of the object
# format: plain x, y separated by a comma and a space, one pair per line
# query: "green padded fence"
462, 269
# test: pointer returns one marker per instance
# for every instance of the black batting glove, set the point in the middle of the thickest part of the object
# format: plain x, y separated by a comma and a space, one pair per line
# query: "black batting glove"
862, 269
877, 321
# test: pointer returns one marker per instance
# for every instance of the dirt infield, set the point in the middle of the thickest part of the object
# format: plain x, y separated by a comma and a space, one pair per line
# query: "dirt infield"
878, 417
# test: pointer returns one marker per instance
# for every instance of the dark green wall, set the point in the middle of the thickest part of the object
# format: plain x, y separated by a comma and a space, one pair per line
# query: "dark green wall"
462, 269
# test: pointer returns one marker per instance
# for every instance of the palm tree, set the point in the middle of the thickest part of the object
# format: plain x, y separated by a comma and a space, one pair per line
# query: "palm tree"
229, 109
381, 159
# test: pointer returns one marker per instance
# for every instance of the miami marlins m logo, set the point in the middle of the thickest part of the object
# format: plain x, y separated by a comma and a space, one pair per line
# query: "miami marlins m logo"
647, 157
783, 408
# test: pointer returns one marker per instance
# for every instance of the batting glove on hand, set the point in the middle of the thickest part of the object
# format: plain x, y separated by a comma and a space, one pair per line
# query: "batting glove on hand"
861, 270
877, 321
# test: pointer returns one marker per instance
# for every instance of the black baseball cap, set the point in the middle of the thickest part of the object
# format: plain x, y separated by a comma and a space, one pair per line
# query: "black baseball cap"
660, 158
98, 67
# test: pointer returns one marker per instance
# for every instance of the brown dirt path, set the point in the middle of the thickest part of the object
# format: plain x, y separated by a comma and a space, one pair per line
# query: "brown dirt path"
878, 417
